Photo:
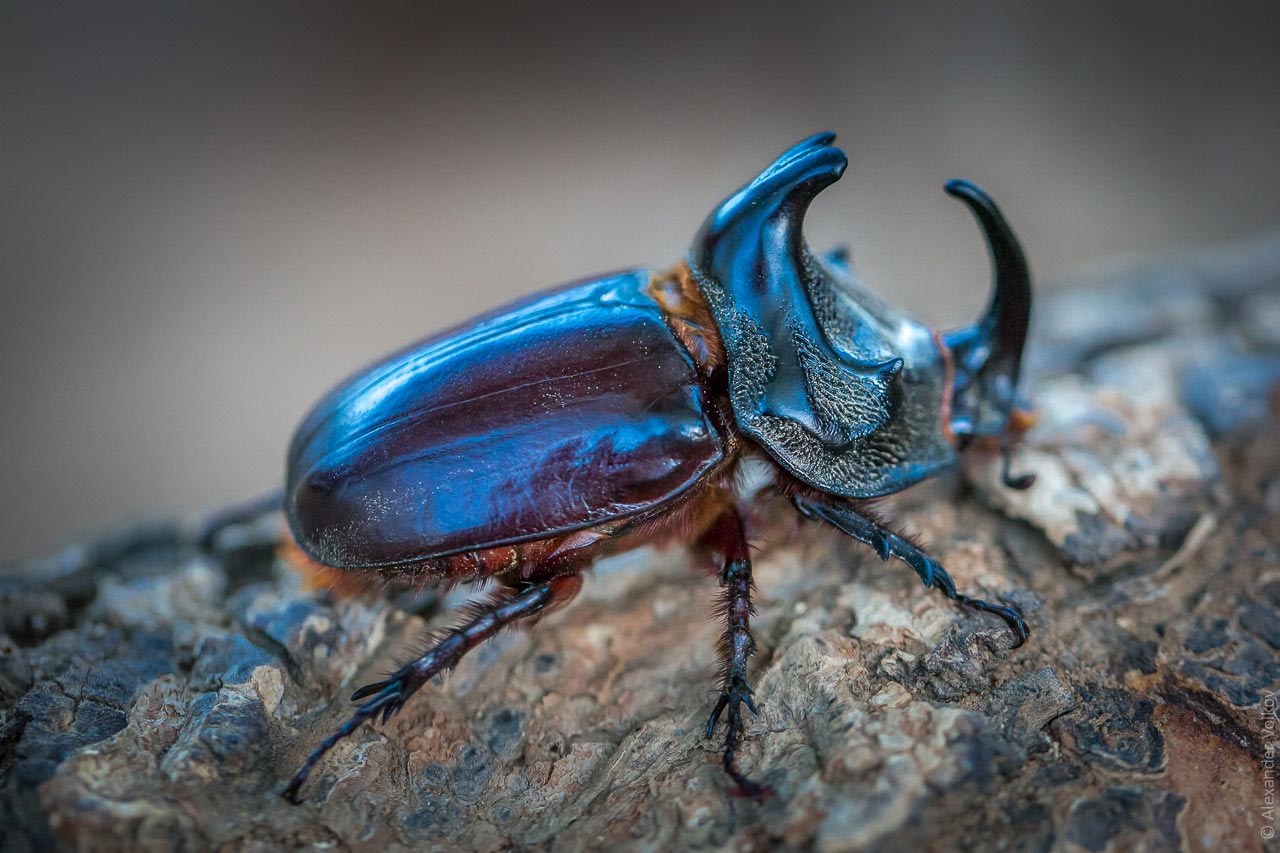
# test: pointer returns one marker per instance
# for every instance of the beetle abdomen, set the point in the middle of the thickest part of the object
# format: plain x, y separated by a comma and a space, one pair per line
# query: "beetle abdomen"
564, 412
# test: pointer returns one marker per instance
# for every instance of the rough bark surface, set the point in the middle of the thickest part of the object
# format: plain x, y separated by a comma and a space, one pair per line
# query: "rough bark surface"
152, 696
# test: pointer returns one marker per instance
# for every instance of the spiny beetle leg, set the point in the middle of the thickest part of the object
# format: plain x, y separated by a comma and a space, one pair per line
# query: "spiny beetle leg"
385, 703
386, 698
728, 538
943, 581
732, 697
848, 520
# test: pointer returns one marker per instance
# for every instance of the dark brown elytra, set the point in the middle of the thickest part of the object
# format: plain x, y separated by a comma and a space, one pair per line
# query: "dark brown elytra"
773, 354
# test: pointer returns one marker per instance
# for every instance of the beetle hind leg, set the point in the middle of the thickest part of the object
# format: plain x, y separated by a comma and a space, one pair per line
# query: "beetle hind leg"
384, 699
889, 544
727, 537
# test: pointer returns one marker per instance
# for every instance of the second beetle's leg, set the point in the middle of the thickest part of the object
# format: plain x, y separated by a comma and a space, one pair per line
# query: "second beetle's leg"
386, 698
889, 544
728, 538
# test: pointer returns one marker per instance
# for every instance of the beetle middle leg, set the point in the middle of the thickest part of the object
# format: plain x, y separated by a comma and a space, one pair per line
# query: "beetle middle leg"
384, 699
728, 538
886, 543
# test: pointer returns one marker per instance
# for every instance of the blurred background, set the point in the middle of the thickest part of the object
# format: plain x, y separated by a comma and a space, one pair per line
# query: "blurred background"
211, 213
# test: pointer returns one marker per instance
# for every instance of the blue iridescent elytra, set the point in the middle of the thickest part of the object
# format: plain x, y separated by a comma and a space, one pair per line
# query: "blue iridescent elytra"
488, 435
616, 412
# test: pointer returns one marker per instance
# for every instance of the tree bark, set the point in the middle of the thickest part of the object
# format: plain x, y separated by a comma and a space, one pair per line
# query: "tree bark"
153, 696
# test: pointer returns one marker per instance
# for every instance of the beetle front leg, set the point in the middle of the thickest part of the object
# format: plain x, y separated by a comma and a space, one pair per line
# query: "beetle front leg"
889, 544
386, 698
728, 538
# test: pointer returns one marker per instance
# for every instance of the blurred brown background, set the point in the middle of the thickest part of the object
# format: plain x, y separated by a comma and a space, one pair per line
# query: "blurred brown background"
209, 214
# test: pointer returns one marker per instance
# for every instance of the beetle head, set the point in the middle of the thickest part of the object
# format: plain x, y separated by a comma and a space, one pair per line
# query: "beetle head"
987, 355
847, 393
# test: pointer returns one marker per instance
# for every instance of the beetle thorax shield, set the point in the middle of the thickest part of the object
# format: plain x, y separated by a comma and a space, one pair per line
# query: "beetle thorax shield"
843, 391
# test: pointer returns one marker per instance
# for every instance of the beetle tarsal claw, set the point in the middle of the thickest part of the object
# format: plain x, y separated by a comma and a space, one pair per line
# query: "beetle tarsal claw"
846, 517
387, 700
1010, 615
368, 690
738, 694
716, 711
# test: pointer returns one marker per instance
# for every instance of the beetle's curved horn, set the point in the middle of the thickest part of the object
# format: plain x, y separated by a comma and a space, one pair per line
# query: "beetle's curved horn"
988, 354
776, 202
752, 263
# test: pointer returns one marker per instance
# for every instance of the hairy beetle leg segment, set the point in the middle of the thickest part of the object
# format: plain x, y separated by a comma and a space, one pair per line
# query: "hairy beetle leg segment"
887, 544
727, 537
386, 698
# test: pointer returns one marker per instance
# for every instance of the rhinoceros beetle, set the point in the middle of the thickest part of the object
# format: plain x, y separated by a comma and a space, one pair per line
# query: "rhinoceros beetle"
614, 412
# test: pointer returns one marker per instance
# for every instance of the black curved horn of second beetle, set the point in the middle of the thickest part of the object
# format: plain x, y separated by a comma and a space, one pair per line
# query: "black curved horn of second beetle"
990, 351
